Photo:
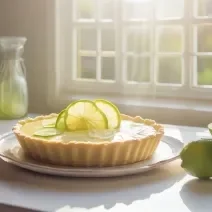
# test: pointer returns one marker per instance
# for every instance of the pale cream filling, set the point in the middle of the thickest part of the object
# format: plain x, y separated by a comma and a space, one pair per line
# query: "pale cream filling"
128, 130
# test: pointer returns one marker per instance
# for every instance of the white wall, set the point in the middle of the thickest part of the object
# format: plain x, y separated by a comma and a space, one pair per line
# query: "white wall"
29, 18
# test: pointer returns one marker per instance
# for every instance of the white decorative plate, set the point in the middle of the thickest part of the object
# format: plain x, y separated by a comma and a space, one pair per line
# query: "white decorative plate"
11, 152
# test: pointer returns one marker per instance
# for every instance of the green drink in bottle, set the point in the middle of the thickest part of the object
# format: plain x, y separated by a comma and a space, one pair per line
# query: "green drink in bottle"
13, 85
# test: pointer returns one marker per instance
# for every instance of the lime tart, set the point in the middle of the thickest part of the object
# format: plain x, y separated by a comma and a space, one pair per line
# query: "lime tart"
89, 134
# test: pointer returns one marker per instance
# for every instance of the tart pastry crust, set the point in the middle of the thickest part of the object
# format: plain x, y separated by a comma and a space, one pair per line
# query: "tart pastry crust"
87, 153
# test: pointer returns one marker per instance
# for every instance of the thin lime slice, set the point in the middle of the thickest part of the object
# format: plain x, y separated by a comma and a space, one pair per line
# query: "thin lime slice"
46, 132
210, 128
60, 123
49, 122
111, 111
84, 115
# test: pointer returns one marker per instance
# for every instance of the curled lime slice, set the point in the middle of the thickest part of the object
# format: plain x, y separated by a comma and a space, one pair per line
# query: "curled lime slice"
111, 112
84, 115
47, 132
60, 123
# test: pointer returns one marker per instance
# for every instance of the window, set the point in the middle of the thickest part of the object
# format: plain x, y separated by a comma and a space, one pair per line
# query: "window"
135, 47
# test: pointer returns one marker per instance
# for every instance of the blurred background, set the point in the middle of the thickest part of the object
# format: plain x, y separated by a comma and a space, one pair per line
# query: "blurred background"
167, 38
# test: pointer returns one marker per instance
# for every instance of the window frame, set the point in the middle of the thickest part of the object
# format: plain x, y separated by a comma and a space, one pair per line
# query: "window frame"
63, 85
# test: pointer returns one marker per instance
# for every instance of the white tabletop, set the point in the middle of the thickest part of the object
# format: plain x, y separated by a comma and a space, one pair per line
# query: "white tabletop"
166, 189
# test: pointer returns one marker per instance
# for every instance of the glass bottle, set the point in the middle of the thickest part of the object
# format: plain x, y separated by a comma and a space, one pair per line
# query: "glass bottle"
13, 85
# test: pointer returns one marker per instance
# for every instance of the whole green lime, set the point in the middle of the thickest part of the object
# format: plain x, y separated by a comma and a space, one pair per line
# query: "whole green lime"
196, 158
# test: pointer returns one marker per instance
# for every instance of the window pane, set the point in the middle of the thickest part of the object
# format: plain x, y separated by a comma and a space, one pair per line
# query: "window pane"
204, 7
169, 9
138, 10
86, 9
87, 39
204, 68
108, 68
170, 39
138, 40
108, 40
169, 70
204, 40
86, 67
107, 11
138, 69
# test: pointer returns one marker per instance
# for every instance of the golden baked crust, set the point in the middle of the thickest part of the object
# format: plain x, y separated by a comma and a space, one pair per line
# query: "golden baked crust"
90, 154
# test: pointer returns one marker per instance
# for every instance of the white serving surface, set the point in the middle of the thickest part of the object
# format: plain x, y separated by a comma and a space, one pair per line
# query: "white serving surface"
167, 188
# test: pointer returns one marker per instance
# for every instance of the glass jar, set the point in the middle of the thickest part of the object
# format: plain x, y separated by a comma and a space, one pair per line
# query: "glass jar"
13, 85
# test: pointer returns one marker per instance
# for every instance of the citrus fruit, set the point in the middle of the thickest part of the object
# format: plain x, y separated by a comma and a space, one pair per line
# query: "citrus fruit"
111, 112
197, 158
46, 132
84, 115
60, 122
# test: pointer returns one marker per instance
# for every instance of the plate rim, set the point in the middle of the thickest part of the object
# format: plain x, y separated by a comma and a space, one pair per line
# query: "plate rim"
93, 171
